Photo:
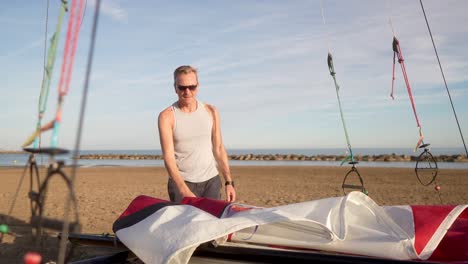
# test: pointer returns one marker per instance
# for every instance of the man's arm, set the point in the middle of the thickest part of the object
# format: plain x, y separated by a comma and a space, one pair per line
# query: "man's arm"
165, 126
220, 154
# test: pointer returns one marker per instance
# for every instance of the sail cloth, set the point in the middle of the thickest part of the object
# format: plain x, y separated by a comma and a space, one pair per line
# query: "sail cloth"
158, 231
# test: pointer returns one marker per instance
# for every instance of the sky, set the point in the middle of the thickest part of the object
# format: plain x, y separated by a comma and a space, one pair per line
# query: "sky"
261, 63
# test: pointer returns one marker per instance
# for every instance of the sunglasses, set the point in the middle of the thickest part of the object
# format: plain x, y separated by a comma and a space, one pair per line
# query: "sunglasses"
190, 87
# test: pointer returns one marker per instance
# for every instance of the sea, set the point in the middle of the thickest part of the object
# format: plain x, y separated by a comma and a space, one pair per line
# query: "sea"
20, 160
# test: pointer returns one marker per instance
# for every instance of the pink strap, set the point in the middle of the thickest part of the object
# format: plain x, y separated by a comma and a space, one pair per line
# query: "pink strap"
73, 30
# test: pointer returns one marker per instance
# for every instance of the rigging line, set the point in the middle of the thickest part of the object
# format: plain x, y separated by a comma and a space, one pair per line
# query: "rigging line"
324, 24
67, 47
331, 68
337, 88
73, 48
84, 12
390, 21
408, 86
51, 56
45, 45
67, 65
397, 51
45, 86
390, 17
43, 72
76, 152
443, 77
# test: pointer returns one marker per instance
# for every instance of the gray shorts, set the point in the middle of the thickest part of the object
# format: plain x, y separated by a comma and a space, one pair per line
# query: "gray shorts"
210, 189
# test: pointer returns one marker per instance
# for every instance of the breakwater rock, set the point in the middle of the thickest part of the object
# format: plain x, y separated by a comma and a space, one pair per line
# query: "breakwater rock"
286, 157
13, 152
121, 157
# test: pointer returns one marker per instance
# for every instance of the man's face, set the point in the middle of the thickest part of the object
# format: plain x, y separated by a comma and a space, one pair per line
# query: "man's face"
186, 86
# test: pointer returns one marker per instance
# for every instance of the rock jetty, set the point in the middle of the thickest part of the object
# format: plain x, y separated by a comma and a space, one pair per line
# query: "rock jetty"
286, 157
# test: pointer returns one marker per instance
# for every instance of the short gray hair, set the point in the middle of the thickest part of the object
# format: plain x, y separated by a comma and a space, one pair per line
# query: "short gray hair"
184, 69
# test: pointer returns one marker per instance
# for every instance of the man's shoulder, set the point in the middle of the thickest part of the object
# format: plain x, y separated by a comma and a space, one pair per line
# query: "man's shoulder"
210, 107
166, 113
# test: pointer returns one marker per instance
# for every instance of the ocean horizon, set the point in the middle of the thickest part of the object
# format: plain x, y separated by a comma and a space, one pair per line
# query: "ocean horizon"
20, 159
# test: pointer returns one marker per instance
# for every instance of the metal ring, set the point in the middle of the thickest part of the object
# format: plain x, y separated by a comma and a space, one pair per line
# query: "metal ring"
427, 157
354, 171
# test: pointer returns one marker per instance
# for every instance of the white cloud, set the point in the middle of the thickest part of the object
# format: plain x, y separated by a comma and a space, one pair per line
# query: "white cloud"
22, 50
264, 67
112, 9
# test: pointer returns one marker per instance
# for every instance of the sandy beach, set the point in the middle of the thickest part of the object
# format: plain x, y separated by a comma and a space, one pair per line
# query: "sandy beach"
104, 192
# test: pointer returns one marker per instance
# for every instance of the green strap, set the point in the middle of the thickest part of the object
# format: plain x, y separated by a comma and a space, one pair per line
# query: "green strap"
51, 59
51, 54
331, 68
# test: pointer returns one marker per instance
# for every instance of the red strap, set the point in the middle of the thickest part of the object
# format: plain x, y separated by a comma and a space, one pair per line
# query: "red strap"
70, 47
408, 87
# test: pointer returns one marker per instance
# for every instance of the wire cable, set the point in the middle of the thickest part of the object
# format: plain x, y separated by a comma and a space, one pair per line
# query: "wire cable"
64, 238
443, 76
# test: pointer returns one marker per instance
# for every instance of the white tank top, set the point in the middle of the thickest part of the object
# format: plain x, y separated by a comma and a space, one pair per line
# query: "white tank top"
192, 144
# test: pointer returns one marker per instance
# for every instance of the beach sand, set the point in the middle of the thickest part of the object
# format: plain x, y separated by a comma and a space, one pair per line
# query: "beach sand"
103, 193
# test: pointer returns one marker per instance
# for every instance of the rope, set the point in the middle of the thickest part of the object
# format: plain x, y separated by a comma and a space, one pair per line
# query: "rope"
67, 64
349, 158
64, 238
84, 13
443, 77
38, 126
390, 21
45, 41
397, 53
331, 68
324, 24
47, 76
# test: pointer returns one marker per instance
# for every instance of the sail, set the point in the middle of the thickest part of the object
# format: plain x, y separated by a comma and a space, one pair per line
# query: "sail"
159, 231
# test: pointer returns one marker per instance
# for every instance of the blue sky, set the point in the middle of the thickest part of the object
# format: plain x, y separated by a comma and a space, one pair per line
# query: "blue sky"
261, 63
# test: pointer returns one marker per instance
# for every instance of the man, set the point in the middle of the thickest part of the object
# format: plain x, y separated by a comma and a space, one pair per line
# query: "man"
190, 136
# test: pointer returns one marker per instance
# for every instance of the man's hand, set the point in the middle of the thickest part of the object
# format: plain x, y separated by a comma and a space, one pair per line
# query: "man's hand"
230, 193
187, 193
